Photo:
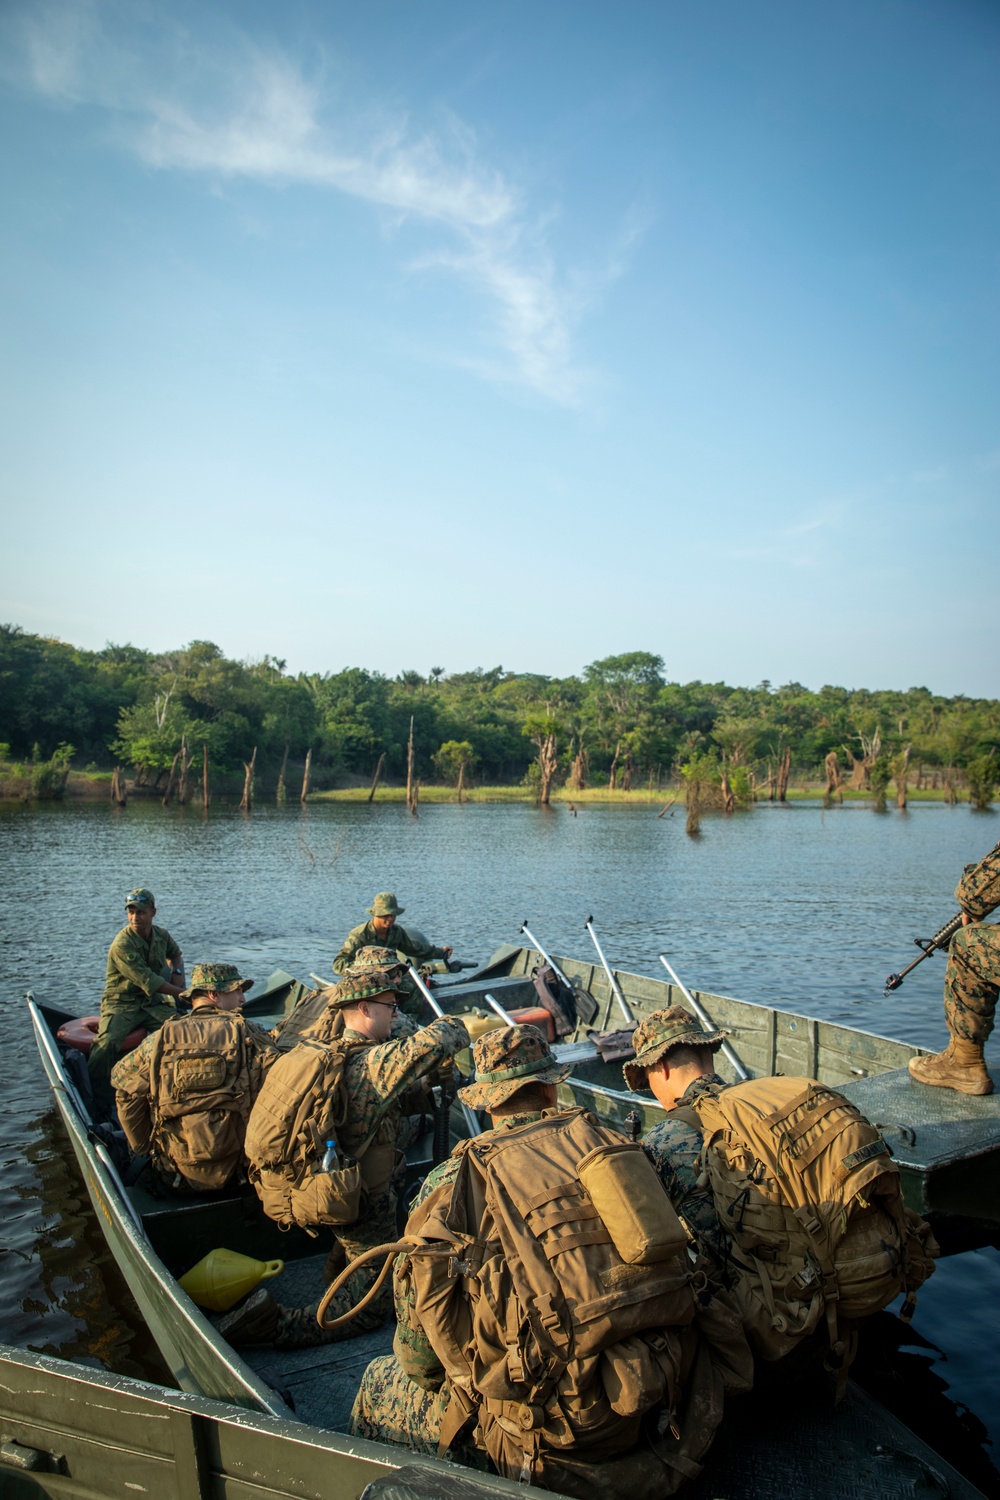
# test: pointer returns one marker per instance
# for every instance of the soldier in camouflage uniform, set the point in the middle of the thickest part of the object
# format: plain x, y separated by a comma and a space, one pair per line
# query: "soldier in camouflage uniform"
385, 1080
384, 931
145, 973
403, 1396
366, 961
217, 993
971, 984
673, 1058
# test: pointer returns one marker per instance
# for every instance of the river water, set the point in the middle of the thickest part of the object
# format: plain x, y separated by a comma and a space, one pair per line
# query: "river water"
800, 907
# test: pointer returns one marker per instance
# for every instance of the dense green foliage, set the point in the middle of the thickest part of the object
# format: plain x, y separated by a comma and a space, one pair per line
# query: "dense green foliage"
619, 722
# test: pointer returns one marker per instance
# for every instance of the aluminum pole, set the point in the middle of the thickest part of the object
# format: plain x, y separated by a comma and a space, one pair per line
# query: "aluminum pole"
541, 951
471, 1118
626, 1009
505, 1015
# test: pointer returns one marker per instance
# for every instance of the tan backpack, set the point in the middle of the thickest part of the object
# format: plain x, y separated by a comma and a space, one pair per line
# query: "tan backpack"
200, 1094
303, 1104
560, 1330
807, 1191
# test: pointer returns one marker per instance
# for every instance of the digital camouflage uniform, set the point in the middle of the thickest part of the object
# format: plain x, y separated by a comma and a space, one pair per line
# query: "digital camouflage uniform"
973, 974
971, 983
674, 1146
383, 1085
404, 1396
131, 1075
136, 973
398, 940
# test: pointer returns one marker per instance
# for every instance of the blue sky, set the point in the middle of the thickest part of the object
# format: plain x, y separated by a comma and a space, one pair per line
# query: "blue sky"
403, 335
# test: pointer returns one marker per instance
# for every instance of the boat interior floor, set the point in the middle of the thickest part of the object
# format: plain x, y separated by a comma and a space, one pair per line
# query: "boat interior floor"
784, 1438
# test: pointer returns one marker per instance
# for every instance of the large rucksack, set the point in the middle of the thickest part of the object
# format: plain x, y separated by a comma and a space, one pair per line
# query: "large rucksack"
304, 1103
806, 1190
563, 1331
200, 1096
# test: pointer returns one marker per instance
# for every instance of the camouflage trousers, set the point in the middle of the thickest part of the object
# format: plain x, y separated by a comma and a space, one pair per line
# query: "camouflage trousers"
297, 1326
392, 1408
971, 981
115, 1024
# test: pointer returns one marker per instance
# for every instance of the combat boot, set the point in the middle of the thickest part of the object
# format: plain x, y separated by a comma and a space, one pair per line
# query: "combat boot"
255, 1321
960, 1066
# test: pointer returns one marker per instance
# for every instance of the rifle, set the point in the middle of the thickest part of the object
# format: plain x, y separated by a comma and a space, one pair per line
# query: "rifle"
927, 946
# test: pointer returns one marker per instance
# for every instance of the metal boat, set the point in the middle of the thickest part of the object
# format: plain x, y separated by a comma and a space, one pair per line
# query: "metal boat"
155, 1240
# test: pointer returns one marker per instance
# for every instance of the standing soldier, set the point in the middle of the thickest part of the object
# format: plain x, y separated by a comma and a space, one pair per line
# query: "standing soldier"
379, 1080
145, 975
970, 985
186, 1093
384, 931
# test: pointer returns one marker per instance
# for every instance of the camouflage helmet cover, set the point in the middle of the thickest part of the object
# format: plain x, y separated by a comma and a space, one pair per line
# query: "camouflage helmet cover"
505, 1061
385, 905
354, 988
140, 897
220, 978
657, 1034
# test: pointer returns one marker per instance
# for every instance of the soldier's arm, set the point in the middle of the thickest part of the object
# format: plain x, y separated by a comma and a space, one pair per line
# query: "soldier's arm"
130, 1081
978, 891
352, 943
674, 1148
421, 953
392, 1067
176, 961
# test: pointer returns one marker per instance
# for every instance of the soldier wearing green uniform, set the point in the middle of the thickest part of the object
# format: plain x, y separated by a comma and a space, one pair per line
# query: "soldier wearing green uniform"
673, 1058
385, 1080
145, 973
384, 931
971, 984
404, 1396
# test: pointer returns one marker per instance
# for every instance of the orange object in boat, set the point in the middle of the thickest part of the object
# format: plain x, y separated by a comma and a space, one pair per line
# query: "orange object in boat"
82, 1034
536, 1015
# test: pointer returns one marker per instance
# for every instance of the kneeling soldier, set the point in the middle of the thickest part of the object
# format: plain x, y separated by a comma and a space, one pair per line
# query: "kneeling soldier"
185, 1094
381, 1080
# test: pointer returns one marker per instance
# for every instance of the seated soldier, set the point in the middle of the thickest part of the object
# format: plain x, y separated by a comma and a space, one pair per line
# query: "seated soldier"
384, 931
185, 1094
145, 974
674, 1059
330, 1022
384, 1080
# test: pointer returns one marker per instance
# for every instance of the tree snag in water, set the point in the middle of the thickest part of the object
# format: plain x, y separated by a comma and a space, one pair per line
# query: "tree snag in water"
246, 801
305, 775
378, 772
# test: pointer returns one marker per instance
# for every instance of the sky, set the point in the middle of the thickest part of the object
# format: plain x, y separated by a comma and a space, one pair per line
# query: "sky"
446, 334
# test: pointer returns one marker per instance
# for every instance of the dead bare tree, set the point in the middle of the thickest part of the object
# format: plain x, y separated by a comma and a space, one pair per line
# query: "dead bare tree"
784, 772
728, 800
246, 801
900, 771
164, 800
861, 767
205, 793
305, 775
614, 767
410, 797
183, 792
833, 777
281, 794
378, 772
579, 768
118, 793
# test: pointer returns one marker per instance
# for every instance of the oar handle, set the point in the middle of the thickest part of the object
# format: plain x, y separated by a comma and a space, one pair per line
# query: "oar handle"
542, 953
705, 1019
494, 1005
616, 990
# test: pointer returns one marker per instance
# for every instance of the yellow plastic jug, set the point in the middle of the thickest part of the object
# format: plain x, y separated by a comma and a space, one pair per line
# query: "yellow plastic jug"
476, 1023
222, 1277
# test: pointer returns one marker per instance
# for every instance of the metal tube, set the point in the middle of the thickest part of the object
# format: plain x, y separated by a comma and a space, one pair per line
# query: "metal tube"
504, 1015
616, 990
471, 1118
550, 961
705, 1019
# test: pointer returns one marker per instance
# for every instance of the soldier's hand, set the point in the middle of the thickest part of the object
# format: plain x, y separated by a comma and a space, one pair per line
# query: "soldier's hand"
447, 950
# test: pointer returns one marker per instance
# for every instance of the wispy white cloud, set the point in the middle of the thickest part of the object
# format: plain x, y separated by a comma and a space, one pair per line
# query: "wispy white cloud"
238, 111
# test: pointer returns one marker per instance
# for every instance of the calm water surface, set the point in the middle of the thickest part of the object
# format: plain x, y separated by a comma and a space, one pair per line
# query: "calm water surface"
796, 907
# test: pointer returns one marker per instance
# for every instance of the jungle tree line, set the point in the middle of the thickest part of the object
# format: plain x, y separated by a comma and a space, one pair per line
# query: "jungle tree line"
619, 724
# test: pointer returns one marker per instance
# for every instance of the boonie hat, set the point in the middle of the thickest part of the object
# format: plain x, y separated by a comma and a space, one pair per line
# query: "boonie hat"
657, 1034
222, 978
385, 905
374, 957
355, 987
505, 1061
140, 897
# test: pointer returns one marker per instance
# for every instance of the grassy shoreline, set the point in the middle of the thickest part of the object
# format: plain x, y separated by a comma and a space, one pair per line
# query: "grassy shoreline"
440, 794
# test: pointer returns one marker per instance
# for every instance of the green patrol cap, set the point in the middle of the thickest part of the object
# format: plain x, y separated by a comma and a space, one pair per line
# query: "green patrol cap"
140, 897
365, 986
222, 978
505, 1061
385, 905
657, 1034
373, 957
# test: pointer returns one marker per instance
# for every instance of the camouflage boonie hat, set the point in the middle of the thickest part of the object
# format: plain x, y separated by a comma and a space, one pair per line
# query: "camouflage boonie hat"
222, 978
140, 897
373, 957
505, 1061
364, 986
654, 1037
385, 905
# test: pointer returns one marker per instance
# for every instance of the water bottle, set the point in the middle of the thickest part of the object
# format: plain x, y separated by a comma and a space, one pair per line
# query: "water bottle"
331, 1159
